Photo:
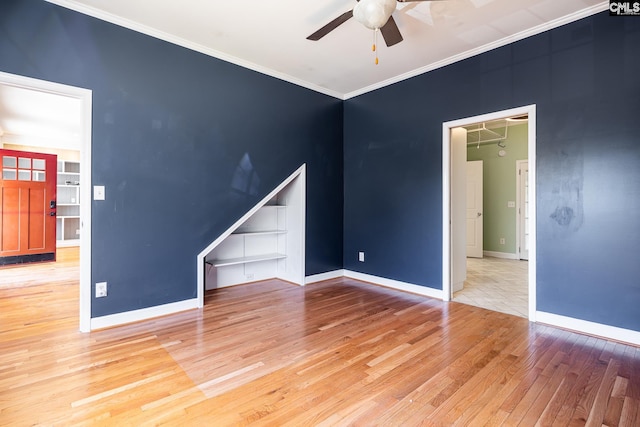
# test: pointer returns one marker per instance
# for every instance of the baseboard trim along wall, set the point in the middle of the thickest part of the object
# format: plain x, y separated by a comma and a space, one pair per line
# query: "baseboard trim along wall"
376, 280
577, 325
324, 276
395, 284
504, 255
589, 328
142, 314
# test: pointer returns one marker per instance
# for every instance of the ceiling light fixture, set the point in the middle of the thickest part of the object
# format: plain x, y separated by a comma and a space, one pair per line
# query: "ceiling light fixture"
373, 14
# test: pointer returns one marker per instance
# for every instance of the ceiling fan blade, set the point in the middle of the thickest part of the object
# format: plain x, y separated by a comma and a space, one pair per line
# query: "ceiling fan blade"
331, 26
391, 33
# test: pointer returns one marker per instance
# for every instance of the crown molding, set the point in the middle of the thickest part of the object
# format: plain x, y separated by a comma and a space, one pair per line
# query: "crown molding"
135, 26
600, 7
140, 28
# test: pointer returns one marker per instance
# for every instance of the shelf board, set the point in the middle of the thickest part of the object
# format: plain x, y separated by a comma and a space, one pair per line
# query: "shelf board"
69, 185
68, 216
245, 260
67, 204
258, 233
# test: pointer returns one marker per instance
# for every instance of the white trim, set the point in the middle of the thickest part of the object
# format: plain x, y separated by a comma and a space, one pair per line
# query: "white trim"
200, 258
519, 164
590, 328
529, 110
592, 10
135, 26
503, 255
179, 41
142, 314
85, 97
324, 276
395, 284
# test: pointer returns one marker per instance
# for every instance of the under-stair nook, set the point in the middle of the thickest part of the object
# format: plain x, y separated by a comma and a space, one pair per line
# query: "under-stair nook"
267, 242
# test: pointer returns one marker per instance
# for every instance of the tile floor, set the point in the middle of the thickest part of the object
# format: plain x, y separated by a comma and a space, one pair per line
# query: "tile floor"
496, 284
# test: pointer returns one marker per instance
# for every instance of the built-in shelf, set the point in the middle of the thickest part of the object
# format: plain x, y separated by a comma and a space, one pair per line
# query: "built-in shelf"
68, 203
268, 242
245, 260
259, 233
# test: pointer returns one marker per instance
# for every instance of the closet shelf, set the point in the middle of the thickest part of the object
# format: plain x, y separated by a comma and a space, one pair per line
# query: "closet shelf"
258, 233
244, 260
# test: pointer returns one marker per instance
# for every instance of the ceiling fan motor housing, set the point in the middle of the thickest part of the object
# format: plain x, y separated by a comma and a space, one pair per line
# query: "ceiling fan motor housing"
374, 14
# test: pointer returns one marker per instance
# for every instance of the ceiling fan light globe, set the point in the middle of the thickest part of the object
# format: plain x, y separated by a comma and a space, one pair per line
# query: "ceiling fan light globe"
374, 14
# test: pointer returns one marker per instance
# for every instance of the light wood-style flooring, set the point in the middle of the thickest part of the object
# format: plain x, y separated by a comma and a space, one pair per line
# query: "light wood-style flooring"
339, 352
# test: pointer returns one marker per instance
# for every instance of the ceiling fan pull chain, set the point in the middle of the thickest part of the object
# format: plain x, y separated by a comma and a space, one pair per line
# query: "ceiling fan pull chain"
375, 39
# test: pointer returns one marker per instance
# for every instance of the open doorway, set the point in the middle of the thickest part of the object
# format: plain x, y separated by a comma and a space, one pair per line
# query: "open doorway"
455, 214
40, 130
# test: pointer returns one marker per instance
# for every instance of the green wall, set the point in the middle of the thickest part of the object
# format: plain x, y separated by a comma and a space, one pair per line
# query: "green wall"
500, 187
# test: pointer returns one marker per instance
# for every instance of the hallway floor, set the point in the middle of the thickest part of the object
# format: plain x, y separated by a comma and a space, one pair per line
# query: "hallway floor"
496, 284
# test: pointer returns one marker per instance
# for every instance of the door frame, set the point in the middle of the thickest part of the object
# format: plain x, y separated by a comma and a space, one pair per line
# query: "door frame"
519, 202
529, 110
85, 97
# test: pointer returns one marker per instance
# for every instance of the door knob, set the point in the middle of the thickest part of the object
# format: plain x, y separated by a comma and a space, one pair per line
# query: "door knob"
479, 214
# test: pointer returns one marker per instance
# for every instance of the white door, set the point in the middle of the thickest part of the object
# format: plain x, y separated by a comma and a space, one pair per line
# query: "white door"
474, 209
458, 208
523, 210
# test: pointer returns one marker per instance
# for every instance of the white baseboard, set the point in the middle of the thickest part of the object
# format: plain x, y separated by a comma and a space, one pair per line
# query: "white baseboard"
589, 328
324, 276
395, 284
504, 255
578, 325
142, 314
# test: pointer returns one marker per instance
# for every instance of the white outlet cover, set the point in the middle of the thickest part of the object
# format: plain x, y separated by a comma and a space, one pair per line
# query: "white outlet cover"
98, 192
101, 289
361, 256
511, 204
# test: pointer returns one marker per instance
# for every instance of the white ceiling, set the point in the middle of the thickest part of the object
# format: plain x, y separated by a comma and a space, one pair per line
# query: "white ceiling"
270, 36
39, 119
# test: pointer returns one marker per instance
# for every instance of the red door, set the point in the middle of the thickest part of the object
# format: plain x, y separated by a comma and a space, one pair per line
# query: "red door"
28, 203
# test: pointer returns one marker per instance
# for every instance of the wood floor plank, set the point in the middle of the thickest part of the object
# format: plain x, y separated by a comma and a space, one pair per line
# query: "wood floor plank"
338, 352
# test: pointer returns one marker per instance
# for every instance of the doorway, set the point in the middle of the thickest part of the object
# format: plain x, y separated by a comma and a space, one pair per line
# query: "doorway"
27, 207
454, 229
83, 117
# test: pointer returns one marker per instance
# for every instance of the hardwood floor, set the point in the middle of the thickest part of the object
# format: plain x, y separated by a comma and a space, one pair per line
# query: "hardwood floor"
339, 352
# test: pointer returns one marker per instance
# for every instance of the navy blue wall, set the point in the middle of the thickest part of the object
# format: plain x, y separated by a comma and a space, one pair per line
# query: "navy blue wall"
170, 126
585, 80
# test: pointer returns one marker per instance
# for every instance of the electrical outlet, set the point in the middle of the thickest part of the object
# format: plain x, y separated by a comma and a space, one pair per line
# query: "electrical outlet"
361, 256
101, 289
502, 241
98, 192
249, 276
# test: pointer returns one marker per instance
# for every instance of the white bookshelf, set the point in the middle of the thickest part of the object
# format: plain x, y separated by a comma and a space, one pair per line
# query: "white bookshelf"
267, 244
68, 203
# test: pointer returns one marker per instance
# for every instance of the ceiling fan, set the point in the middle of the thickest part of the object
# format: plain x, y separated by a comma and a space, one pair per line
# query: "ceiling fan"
373, 14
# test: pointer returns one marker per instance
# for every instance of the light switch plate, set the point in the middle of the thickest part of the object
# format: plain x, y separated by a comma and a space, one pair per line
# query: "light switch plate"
98, 192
